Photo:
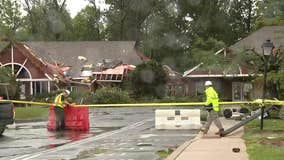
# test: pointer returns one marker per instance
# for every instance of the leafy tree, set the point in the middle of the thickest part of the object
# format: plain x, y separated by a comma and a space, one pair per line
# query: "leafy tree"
148, 79
125, 17
208, 17
10, 18
241, 17
6, 77
47, 20
87, 24
165, 35
203, 51
270, 13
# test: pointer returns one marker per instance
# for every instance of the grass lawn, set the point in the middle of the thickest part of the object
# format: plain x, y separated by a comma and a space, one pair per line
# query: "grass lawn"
31, 113
164, 153
267, 144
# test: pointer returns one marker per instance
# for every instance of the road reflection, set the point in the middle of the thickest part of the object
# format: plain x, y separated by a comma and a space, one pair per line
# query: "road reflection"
65, 135
68, 135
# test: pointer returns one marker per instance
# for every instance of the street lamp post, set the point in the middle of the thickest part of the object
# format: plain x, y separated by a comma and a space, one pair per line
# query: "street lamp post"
267, 48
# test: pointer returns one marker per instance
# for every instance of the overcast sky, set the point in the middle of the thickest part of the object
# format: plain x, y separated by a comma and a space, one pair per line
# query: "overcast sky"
75, 6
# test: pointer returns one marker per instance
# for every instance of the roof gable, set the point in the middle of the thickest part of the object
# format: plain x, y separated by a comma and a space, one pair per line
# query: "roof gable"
256, 39
41, 65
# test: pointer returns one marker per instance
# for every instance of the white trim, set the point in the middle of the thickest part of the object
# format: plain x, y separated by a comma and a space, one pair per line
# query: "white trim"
48, 86
21, 67
46, 75
30, 75
191, 70
12, 58
79, 78
216, 53
97, 80
240, 69
33, 80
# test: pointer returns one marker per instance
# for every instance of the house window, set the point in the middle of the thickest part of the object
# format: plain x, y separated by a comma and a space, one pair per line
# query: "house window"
40, 87
200, 88
73, 88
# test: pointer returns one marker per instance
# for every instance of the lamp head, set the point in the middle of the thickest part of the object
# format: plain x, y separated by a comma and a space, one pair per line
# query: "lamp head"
267, 47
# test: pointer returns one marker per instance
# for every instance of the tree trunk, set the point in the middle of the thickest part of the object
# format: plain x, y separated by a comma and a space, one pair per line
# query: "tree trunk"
122, 20
248, 23
33, 26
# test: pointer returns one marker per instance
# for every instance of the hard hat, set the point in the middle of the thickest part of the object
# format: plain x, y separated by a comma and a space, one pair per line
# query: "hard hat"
208, 83
67, 91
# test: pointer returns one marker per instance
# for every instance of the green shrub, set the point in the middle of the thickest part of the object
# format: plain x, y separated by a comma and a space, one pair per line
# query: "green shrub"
175, 99
79, 97
46, 97
12, 88
148, 79
108, 95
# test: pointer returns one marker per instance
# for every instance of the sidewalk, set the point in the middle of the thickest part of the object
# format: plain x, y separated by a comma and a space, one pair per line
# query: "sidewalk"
212, 146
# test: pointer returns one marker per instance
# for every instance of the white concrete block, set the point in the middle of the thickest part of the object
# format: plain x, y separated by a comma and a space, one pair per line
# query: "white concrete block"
177, 119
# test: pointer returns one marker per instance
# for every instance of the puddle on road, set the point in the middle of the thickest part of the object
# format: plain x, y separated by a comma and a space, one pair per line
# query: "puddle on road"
117, 118
90, 153
18, 127
106, 129
15, 147
144, 144
50, 146
69, 135
128, 114
74, 136
65, 135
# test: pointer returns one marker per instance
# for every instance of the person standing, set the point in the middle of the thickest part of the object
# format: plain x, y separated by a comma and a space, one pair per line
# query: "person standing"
60, 102
212, 106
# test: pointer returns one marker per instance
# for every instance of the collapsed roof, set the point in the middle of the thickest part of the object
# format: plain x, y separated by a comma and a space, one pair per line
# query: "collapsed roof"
66, 53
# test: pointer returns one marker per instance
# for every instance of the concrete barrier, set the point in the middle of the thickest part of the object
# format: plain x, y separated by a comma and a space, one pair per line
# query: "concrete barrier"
177, 119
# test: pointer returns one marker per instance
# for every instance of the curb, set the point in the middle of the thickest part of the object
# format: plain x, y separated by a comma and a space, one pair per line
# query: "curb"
181, 148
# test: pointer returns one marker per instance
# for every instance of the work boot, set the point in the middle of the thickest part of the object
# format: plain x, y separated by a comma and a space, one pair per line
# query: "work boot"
221, 131
222, 134
203, 130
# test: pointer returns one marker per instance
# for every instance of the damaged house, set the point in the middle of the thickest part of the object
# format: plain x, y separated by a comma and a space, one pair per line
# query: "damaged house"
41, 67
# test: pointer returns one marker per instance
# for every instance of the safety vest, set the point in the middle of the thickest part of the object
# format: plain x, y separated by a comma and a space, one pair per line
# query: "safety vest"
58, 101
212, 98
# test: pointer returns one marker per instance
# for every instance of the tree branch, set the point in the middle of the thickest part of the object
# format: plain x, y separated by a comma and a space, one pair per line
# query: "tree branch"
62, 5
93, 2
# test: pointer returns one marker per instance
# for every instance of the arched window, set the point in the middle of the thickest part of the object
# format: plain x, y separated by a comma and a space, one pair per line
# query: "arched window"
20, 71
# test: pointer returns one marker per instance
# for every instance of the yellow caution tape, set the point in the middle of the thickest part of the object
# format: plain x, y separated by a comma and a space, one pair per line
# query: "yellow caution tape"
259, 102
27, 102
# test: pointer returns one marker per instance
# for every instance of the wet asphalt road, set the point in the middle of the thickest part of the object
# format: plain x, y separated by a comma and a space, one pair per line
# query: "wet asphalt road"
115, 134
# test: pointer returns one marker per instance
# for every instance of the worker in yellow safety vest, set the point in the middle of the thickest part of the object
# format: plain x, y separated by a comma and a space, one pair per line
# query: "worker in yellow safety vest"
59, 104
212, 106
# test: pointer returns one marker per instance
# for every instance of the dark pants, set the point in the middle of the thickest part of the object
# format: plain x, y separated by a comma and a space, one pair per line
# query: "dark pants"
59, 113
